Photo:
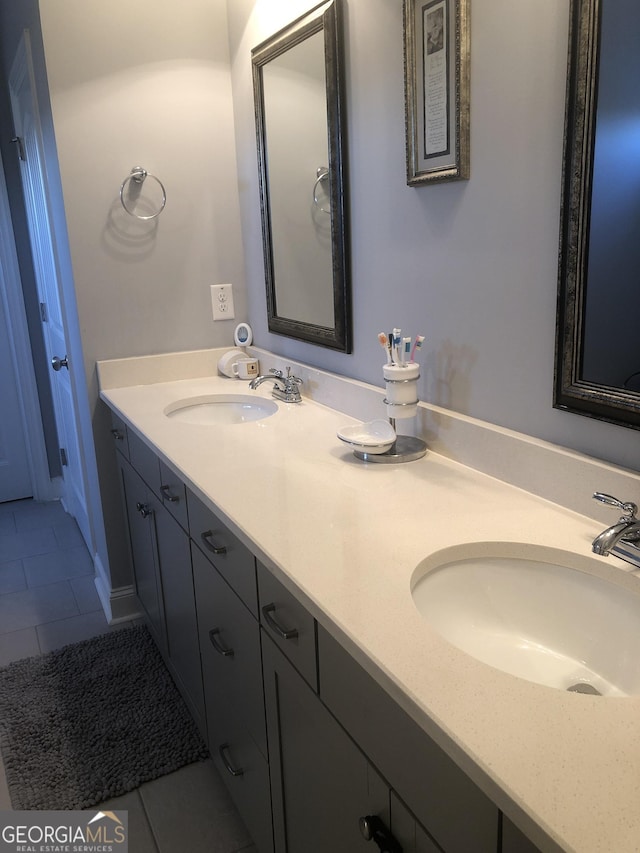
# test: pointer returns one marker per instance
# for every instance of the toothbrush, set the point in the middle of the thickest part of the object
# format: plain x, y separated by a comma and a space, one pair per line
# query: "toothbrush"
417, 345
396, 345
384, 343
405, 351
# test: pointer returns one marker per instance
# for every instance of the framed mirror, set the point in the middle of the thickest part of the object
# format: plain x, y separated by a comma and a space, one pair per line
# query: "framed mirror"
298, 95
597, 342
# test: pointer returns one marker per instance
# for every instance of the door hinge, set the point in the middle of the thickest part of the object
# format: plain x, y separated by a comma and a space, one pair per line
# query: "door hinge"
21, 152
63, 457
43, 312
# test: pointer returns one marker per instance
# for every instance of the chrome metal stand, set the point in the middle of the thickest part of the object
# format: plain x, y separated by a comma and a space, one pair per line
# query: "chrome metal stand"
406, 448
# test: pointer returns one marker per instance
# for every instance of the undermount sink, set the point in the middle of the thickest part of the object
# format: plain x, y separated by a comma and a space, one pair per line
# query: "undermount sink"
220, 409
537, 613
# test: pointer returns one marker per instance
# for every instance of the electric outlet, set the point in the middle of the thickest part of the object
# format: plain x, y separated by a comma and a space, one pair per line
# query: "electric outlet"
222, 301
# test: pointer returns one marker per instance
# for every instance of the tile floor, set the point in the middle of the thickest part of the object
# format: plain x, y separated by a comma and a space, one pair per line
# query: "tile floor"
48, 599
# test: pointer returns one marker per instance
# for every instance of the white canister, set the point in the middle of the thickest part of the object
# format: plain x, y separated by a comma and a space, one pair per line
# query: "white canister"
402, 390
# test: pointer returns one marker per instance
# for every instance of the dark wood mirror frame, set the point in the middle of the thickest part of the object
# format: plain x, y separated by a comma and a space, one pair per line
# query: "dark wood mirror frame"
325, 18
572, 392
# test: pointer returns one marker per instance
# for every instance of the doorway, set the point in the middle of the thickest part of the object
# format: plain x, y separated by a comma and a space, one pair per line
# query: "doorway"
24, 468
29, 137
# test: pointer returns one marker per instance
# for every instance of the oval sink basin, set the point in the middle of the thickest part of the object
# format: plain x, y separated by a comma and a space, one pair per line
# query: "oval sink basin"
538, 616
220, 409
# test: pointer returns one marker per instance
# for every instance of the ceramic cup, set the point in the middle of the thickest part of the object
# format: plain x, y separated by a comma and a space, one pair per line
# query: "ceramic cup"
402, 390
226, 362
245, 368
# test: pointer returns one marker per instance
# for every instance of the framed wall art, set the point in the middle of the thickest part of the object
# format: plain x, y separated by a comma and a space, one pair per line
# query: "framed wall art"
437, 90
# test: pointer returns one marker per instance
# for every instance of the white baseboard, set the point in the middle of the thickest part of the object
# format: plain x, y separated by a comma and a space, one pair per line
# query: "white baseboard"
120, 604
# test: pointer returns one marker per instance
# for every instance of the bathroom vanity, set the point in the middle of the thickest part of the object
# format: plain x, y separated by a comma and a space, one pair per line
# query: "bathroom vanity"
275, 572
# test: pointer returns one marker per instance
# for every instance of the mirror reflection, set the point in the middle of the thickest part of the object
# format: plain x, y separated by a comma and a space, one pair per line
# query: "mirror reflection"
611, 347
297, 88
297, 172
597, 348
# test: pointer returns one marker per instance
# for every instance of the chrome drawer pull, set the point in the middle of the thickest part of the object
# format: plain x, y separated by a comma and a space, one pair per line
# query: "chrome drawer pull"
267, 610
166, 493
215, 549
223, 750
222, 650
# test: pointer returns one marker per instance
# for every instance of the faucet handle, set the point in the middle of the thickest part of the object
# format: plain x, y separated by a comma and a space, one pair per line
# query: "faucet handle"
628, 508
277, 373
291, 379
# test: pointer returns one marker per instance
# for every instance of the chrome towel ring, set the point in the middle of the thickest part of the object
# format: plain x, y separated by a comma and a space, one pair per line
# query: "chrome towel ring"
322, 175
138, 175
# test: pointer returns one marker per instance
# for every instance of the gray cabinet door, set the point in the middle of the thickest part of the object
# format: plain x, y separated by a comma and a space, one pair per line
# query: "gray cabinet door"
230, 648
183, 647
141, 507
454, 810
321, 784
243, 769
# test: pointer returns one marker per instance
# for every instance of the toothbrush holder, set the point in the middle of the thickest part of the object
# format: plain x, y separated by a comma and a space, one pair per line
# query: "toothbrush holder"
402, 390
401, 402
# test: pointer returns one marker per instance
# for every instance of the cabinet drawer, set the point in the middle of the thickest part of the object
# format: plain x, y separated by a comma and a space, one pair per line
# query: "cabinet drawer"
244, 770
233, 560
288, 624
450, 806
145, 461
230, 648
120, 436
174, 495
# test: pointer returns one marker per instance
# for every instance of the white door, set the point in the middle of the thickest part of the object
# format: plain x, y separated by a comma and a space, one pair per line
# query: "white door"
34, 182
15, 475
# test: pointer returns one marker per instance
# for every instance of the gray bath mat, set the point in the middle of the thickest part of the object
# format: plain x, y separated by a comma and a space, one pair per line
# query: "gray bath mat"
91, 721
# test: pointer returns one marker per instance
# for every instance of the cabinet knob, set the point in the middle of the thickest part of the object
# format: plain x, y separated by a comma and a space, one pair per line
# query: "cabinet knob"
373, 829
117, 434
144, 509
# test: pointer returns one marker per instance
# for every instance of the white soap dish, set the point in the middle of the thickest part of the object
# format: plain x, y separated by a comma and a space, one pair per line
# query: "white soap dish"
373, 437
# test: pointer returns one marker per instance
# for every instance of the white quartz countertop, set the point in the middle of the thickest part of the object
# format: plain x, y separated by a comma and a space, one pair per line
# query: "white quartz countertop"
347, 536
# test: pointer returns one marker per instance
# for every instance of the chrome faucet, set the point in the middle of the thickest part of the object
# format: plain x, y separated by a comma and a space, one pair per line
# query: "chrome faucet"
285, 388
626, 531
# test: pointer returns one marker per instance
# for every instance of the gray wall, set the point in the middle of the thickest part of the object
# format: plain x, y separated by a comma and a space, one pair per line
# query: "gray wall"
471, 265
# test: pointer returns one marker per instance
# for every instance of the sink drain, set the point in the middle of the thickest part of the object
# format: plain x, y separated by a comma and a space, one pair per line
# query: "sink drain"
583, 687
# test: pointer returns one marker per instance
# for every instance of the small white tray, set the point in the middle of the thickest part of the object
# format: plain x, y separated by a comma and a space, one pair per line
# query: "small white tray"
373, 437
